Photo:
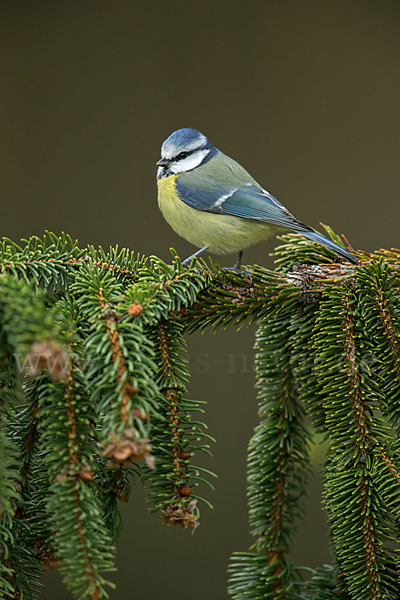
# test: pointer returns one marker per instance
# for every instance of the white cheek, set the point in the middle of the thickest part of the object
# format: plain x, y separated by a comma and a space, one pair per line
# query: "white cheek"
189, 163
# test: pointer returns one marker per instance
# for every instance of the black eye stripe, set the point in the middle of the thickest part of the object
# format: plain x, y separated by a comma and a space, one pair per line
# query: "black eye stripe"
182, 155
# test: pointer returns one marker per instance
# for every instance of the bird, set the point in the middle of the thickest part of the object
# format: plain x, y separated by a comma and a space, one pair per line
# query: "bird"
215, 204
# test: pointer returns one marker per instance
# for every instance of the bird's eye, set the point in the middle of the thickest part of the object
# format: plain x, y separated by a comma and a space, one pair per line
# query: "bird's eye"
182, 155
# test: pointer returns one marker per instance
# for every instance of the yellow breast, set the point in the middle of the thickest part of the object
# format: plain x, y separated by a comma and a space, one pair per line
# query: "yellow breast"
222, 234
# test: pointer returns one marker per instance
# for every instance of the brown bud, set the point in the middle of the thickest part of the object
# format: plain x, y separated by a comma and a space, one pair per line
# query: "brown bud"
143, 416
184, 455
131, 390
135, 309
184, 491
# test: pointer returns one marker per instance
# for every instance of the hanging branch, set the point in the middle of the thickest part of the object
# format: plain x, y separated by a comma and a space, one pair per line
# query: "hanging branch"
177, 436
80, 540
28, 328
278, 468
358, 517
118, 364
377, 290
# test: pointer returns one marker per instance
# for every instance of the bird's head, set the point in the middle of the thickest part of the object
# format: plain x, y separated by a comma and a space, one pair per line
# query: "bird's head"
184, 150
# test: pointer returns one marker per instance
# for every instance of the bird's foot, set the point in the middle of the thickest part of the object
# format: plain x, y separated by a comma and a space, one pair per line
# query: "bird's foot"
237, 269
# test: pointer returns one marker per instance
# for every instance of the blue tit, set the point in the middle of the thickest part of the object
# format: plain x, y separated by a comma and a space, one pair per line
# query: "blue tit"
215, 204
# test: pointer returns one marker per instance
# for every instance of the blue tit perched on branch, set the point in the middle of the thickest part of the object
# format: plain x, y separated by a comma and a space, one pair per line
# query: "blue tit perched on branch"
215, 204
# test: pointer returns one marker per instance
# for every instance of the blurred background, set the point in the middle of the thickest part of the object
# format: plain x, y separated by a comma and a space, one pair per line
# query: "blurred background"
306, 95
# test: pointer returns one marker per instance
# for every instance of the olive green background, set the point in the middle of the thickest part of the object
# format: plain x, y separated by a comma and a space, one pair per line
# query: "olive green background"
305, 94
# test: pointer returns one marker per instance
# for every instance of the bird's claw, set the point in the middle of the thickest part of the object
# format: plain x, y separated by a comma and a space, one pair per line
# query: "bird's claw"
186, 264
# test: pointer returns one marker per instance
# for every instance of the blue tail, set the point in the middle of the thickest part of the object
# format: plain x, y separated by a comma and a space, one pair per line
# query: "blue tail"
316, 237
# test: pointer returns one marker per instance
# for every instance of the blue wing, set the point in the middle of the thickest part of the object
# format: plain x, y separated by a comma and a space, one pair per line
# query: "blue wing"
250, 201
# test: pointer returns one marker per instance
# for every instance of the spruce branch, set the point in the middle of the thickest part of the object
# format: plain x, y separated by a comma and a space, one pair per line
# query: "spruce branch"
278, 468
176, 434
378, 291
79, 537
359, 521
118, 364
108, 327
21, 522
52, 261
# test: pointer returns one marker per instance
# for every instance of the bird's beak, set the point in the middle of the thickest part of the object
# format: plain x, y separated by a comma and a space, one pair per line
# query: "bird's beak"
163, 162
